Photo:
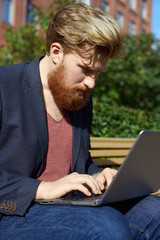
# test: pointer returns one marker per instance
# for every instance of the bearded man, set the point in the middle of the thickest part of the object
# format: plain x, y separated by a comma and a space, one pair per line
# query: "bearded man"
45, 122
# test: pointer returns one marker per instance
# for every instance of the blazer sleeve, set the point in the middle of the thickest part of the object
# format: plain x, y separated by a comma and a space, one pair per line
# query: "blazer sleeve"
16, 193
16, 190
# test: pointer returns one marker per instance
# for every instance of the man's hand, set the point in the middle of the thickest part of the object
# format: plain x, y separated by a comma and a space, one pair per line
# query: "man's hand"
105, 177
71, 182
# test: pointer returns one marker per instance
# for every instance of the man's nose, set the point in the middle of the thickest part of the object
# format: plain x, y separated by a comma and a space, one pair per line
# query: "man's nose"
89, 82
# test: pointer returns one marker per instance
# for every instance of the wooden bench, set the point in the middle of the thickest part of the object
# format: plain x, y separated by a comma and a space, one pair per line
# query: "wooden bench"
111, 151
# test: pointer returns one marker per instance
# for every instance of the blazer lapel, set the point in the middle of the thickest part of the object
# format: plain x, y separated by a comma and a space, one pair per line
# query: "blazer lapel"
76, 123
34, 96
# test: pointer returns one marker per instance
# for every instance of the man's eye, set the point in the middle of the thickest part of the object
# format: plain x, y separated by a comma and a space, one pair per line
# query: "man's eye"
87, 71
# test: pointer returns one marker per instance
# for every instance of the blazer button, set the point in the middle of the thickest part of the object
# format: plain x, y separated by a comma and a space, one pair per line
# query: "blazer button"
13, 208
3, 205
7, 206
10, 207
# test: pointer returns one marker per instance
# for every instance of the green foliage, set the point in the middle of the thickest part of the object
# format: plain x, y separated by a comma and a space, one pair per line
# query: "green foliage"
24, 44
28, 42
133, 79
130, 81
61, 3
119, 121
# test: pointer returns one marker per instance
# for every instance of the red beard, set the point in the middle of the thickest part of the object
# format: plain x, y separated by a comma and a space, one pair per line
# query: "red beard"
68, 98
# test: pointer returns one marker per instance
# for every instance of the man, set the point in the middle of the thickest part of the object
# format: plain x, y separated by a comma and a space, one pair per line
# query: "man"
45, 121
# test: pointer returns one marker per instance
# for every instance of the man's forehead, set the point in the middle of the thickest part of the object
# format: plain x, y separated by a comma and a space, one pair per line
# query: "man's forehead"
88, 61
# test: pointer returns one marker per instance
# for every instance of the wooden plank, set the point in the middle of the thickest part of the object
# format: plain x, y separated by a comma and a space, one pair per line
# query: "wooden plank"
108, 162
112, 139
109, 153
111, 143
95, 145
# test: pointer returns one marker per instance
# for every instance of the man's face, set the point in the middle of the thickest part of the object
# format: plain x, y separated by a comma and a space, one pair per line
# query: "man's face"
72, 80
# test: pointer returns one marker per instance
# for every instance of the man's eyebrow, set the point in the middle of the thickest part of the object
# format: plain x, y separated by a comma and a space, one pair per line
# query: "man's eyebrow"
90, 68
84, 66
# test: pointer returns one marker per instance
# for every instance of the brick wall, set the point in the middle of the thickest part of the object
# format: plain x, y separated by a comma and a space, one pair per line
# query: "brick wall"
122, 6
131, 15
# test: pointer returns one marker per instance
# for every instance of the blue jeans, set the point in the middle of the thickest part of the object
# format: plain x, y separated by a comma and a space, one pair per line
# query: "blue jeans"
140, 218
44, 222
143, 217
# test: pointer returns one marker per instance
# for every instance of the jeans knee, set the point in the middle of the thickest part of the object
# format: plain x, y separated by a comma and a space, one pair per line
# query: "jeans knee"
111, 225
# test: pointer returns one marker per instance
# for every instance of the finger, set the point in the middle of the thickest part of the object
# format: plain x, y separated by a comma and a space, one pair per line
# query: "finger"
105, 177
109, 177
81, 188
114, 171
90, 182
83, 179
101, 180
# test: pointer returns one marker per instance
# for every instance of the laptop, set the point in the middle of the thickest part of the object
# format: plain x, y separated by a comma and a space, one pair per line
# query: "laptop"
139, 175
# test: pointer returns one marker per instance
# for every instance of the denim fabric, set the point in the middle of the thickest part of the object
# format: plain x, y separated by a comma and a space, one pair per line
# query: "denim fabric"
143, 217
44, 222
87, 223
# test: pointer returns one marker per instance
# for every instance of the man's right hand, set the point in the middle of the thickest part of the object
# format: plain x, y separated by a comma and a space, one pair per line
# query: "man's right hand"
72, 182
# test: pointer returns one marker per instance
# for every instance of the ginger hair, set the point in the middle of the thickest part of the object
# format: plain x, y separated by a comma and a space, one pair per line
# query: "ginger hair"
82, 28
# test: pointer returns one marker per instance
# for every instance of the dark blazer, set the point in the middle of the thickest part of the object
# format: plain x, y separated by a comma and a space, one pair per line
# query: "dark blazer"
24, 136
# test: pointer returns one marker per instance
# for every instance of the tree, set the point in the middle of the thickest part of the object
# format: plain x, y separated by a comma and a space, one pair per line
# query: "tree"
133, 79
27, 43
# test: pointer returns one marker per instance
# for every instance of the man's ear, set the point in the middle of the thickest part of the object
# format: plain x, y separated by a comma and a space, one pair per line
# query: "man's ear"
56, 53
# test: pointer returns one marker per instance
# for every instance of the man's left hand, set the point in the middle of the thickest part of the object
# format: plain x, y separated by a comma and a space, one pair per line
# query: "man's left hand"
105, 178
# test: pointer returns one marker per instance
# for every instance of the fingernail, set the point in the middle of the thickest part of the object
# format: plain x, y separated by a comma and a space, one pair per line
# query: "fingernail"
89, 194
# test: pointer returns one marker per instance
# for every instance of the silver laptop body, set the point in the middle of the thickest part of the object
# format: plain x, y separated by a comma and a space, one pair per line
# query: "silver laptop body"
139, 175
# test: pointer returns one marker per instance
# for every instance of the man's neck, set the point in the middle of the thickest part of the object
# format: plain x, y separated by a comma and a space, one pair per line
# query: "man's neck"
50, 105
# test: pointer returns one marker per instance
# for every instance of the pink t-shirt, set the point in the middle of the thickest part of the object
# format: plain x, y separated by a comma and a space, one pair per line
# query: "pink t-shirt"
59, 157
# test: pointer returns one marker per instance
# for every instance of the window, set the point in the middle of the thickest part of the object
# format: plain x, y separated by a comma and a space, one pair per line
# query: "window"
86, 2
144, 9
105, 6
7, 11
131, 28
120, 18
132, 4
30, 13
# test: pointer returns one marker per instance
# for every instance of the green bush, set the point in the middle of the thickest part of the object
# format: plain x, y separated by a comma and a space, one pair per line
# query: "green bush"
119, 121
28, 42
133, 79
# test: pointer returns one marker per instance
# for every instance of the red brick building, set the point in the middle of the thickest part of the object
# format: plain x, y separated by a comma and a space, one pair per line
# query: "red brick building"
133, 15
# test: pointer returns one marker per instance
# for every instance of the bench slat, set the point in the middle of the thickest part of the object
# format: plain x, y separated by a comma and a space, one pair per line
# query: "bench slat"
101, 145
108, 162
111, 143
112, 150
109, 153
101, 139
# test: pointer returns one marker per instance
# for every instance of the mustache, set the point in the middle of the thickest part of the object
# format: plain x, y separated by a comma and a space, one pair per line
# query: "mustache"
81, 88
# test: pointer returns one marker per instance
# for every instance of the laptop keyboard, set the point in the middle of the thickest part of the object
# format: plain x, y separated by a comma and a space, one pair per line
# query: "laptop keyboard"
79, 196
